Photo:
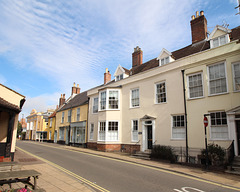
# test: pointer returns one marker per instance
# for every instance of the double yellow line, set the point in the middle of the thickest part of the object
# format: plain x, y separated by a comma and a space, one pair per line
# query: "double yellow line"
140, 165
95, 186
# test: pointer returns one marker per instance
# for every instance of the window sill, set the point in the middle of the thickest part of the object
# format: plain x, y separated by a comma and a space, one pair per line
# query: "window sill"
161, 103
211, 139
217, 94
195, 98
178, 139
134, 107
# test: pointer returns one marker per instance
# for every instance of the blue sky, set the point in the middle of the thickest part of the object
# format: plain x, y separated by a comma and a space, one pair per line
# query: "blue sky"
47, 45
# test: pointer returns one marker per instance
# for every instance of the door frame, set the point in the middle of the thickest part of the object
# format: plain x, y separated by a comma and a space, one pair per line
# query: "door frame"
145, 132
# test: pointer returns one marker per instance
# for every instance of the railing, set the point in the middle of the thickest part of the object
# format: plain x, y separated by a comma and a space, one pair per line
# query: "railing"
230, 153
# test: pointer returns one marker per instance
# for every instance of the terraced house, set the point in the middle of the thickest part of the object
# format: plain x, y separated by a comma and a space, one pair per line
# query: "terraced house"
71, 118
163, 101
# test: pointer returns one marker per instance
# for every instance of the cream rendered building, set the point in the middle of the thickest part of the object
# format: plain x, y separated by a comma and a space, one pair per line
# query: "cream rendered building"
11, 104
145, 106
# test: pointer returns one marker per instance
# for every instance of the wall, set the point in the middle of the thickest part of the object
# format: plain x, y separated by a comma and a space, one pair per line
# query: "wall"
4, 118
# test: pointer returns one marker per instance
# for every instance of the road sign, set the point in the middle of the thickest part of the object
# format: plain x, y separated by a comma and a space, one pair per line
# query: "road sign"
205, 121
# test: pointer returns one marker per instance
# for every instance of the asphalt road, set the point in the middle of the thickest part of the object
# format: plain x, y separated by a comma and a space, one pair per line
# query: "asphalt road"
118, 176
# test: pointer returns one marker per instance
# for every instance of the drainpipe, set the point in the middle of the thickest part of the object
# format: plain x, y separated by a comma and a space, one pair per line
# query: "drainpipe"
86, 137
185, 111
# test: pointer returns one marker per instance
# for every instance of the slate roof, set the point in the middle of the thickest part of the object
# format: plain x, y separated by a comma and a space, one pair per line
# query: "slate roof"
78, 100
9, 106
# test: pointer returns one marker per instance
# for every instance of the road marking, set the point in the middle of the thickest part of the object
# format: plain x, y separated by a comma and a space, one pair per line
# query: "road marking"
92, 184
184, 189
149, 167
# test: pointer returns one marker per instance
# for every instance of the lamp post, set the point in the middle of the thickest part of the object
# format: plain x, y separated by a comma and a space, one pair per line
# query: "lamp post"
205, 122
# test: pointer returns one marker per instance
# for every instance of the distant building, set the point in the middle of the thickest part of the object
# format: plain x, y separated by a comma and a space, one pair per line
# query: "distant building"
11, 104
37, 123
71, 118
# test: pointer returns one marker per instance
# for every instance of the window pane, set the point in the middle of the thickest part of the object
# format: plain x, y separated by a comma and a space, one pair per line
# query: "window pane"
113, 99
161, 93
217, 79
135, 98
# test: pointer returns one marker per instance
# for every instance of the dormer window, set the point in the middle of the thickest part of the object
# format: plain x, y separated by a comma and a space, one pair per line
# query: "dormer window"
219, 36
119, 77
121, 73
165, 57
218, 41
165, 60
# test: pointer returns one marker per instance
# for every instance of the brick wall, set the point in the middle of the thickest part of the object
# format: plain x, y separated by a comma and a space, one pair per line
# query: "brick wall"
130, 148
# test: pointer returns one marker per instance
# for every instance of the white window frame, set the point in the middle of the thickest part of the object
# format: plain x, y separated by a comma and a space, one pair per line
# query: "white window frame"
50, 135
165, 60
189, 92
91, 131
131, 98
107, 132
95, 105
156, 97
107, 100
112, 135
100, 137
225, 70
78, 114
172, 127
219, 42
134, 132
119, 77
100, 101
69, 115
222, 126
62, 120
233, 72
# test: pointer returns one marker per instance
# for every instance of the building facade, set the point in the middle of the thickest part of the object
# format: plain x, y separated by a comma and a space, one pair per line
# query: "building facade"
71, 118
11, 104
163, 101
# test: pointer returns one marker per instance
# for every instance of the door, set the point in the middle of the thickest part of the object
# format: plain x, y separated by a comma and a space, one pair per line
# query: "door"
67, 136
149, 136
238, 135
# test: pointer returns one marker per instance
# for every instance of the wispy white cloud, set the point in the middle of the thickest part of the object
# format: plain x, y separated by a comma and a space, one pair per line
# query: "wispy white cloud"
73, 41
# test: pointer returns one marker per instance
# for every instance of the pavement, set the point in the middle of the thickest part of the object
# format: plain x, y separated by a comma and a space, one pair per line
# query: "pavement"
53, 179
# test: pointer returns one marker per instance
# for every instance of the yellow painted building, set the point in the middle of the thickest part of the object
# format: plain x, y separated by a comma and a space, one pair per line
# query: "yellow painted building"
71, 119
37, 125
51, 127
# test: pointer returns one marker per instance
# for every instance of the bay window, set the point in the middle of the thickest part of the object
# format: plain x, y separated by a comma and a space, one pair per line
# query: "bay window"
109, 99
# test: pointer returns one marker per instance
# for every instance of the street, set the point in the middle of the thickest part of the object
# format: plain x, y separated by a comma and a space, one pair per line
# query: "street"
119, 176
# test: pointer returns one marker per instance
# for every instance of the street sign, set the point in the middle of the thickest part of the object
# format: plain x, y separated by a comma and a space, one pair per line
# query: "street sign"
205, 121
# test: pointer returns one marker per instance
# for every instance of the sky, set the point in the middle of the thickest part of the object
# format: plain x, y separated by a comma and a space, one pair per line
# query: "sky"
46, 45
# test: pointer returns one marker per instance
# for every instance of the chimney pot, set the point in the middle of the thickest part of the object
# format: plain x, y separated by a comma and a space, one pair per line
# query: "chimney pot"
77, 85
201, 13
193, 17
74, 84
197, 14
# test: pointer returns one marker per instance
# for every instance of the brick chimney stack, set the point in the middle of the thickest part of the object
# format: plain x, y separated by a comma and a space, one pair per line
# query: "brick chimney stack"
198, 27
107, 77
75, 90
137, 57
62, 100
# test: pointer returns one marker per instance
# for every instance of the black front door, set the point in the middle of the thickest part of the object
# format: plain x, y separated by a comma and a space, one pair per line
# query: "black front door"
238, 135
149, 134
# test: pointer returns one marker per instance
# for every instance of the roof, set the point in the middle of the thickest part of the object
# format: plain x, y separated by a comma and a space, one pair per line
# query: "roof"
12, 90
53, 114
9, 106
78, 100
184, 52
